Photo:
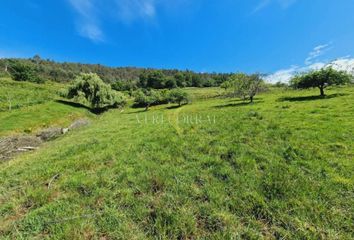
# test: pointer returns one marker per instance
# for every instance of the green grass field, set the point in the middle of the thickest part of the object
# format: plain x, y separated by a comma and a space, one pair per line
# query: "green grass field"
281, 168
26, 107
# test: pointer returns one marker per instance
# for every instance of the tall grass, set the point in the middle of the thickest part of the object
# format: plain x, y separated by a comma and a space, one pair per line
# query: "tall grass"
281, 168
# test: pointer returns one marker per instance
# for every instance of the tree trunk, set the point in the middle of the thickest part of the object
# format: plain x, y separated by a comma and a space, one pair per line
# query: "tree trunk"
251, 98
322, 91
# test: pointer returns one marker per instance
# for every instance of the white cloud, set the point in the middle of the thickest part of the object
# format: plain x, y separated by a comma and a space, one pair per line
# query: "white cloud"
315, 66
87, 24
317, 52
91, 31
343, 64
283, 75
312, 63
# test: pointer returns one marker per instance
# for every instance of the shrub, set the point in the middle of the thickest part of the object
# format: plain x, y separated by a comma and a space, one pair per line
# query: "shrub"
24, 72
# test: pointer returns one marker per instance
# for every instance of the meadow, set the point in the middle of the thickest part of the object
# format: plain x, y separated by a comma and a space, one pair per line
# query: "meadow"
219, 168
27, 107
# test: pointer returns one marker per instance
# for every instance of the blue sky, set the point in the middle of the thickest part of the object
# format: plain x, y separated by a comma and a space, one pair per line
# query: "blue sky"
202, 35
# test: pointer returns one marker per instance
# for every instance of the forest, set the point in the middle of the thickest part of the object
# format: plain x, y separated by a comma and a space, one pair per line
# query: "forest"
121, 78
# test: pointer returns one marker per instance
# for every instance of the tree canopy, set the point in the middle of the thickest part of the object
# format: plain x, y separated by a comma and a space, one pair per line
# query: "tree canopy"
244, 86
178, 96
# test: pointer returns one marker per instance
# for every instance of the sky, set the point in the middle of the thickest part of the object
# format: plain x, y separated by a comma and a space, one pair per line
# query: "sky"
267, 36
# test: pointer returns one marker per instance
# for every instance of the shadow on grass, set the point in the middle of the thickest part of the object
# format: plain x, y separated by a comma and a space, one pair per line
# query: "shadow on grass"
174, 107
239, 104
96, 111
240, 100
309, 98
136, 112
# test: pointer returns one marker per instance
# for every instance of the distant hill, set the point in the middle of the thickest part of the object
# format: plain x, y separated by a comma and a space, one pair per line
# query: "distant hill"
66, 72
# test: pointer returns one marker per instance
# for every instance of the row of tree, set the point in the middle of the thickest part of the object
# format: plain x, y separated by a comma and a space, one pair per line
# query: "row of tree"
147, 98
89, 90
248, 86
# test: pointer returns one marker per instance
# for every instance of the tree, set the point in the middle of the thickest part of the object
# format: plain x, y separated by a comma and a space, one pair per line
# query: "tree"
255, 84
244, 86
128, 85
89, 88
36, 59
178, 96
321, 79
170, 82
180, 79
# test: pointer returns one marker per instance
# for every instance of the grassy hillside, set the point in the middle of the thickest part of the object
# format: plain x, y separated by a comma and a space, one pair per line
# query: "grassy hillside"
28, 106
279, 168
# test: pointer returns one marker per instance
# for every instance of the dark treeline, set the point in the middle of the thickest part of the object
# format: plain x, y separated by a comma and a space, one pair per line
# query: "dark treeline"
121, 78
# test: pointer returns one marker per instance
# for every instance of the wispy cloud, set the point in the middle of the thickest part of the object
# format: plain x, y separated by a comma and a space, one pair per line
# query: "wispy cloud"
91, 13
88, 24
130, 10
317, 52
262, 4
265, 3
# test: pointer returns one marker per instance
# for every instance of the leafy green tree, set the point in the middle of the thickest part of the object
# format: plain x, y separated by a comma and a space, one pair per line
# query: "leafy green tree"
149, 98
153, 79
236, 85
89, 88
197, 80
321, 79
124, 85
255, 84
180, 79
178, 96
244, 86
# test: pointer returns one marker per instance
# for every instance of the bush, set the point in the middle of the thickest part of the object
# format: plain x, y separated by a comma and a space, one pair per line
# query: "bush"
25, 72
147, 98
90, 89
